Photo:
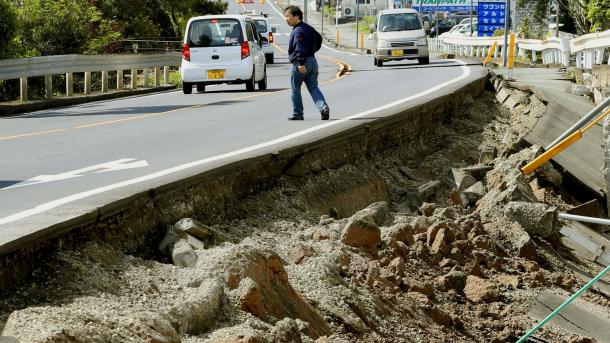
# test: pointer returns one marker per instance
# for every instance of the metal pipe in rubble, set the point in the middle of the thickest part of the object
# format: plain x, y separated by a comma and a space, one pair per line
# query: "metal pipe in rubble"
584, 219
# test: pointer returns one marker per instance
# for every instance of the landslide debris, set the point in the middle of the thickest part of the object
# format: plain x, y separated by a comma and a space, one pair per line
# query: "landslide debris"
453, 251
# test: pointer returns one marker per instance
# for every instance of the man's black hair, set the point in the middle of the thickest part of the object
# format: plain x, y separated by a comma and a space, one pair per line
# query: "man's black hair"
295, 11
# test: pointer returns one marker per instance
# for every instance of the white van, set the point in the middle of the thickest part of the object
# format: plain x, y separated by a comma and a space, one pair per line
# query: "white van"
222, 49
399, 34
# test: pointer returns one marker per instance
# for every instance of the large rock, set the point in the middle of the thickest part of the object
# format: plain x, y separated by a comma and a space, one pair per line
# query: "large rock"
361, 232
459, 180
287, 331
268, 293
399, 232
480, 290
183, 255
377, 212
537, 219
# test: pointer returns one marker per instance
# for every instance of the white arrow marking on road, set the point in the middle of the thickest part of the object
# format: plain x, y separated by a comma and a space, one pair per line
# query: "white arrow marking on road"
124, 163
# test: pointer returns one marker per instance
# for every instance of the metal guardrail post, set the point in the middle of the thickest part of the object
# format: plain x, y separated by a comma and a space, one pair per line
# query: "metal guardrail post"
119, 79
104, 81
48, 86
157, 76
87, 83
134, 78
145, 73
23, 89
69, 84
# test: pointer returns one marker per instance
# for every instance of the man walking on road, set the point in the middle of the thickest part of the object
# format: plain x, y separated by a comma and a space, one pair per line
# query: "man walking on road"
304, 42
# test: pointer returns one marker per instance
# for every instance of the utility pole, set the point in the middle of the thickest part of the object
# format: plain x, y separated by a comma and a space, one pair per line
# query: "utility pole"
557, 20
506, 27
357, 14
322, 10
471, 23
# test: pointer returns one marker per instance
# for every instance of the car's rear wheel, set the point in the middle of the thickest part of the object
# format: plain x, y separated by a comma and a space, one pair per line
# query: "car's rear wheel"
424, 60
201, 87
269, 58
251, 83
262, 84
378, 63
187, 87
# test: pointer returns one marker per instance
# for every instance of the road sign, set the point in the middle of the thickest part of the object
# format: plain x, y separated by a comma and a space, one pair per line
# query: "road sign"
491, 16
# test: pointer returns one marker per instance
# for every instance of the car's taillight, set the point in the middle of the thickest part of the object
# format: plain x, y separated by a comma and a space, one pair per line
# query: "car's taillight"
245, 49
270, 37
186, 52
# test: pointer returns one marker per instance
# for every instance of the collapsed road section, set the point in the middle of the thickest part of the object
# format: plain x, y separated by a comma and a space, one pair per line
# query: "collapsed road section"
414, 228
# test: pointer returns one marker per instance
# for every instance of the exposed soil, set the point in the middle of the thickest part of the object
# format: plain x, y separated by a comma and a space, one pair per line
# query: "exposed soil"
428, 264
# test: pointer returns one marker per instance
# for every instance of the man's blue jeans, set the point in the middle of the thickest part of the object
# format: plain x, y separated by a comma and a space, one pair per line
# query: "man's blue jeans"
310, 77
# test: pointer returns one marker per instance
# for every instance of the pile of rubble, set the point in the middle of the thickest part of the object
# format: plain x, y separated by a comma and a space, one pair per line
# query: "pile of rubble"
452, 255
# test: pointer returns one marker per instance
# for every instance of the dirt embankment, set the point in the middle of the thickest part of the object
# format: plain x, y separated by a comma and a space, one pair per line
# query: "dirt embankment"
434, 254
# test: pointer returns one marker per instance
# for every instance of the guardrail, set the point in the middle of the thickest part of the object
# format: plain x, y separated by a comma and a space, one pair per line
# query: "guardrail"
588, 49
48, 66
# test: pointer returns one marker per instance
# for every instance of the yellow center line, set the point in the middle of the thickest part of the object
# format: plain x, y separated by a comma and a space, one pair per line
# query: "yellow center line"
148, 115
31, 134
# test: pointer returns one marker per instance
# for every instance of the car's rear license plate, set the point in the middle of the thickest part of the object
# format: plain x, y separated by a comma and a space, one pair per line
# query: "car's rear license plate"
216, 74
396, 52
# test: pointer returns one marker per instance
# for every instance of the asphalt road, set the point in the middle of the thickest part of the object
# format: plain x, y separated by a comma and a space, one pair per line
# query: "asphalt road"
58, 164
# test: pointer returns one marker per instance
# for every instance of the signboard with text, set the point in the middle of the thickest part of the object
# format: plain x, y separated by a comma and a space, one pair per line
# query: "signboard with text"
491, 16
444, 5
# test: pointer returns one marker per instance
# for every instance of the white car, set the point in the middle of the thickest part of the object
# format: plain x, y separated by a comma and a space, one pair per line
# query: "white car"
222, 49
265, 29
399, 34
462, 30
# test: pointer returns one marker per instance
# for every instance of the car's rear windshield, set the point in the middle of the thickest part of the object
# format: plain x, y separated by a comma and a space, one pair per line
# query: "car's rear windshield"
261, 25
399, 22
214, 32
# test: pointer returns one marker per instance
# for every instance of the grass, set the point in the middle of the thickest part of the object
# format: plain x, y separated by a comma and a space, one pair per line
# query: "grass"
364, 23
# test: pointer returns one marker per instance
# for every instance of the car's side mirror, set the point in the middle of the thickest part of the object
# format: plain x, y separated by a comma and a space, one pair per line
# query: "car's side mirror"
372, 27
273, 29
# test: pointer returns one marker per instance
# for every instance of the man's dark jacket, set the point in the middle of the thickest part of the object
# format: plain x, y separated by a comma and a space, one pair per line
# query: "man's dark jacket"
304, 42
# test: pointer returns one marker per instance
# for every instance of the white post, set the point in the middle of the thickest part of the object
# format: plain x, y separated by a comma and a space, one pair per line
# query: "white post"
157, 76
104, 81
119, 79
69, 84
87, 83
23, 89
534, 57
166, 75
134, 78
48, 86
145, 73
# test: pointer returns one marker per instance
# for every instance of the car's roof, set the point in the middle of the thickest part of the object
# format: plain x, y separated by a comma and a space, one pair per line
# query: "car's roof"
398, 10
219, 16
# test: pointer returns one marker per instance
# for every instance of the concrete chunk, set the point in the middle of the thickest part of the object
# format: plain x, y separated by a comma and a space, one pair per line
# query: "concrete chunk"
502, 95
428, 189
460, 180
183, 254
537, 219
200, 231
478, 172
488, 153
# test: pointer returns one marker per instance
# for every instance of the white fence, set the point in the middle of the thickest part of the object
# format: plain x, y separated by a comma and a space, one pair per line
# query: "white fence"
48, 66
588, 49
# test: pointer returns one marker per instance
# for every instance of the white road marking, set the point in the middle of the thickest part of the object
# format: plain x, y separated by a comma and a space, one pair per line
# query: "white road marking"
122, 164
78, 196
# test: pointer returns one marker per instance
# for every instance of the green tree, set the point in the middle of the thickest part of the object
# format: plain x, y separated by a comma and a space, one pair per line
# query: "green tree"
8, 28
599, 14
62, 27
